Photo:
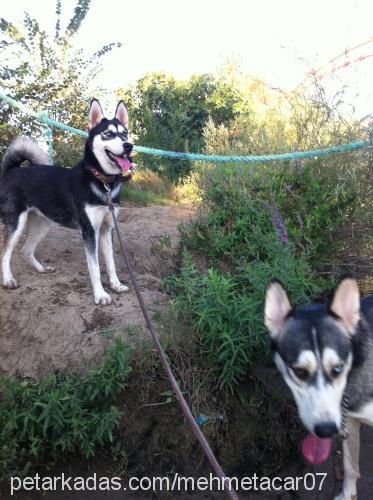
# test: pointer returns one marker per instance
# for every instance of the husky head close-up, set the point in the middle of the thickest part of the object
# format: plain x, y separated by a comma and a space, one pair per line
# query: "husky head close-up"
107, 146
314, 349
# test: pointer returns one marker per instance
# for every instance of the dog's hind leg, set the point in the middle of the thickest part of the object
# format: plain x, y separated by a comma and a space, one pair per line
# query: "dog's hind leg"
106, 241
38, 227
14, 230
351, 449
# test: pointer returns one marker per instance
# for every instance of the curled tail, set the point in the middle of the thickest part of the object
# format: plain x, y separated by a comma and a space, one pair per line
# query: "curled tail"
21, 149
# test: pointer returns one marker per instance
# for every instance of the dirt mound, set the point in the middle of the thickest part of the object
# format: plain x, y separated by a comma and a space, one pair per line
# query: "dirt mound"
51, 322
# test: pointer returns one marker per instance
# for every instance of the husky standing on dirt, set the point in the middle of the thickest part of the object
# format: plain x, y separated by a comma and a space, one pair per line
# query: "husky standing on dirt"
41, 194
325, 355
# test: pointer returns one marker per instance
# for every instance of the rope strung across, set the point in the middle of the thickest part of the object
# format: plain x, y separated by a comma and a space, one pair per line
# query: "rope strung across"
341, 148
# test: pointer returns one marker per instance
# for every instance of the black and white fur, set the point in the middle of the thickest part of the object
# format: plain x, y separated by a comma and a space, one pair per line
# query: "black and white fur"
39, 194
323, 351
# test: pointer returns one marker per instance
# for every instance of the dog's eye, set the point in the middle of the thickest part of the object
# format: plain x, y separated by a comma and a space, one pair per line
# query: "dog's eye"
337, 370
301, 373
109, 134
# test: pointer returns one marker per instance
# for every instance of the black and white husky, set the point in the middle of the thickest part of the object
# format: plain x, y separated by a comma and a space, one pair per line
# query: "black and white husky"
39, 194
325, 355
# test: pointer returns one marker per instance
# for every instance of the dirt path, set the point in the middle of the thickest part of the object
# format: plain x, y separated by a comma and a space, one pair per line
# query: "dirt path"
51, 322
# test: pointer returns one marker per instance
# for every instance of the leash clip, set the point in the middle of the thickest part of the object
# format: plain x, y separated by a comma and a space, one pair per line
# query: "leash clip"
343, 432
108, 195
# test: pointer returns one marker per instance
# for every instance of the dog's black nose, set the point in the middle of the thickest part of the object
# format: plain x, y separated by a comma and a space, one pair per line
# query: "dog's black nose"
325, 429
128, 147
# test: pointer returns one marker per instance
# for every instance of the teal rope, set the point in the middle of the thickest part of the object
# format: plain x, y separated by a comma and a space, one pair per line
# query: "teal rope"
41, 116
352, 146
49, 134
342, 148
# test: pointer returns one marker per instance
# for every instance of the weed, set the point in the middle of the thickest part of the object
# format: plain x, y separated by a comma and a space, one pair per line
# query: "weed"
132, 330
106, 333
61, 414
163, 241
254, 225
226, 311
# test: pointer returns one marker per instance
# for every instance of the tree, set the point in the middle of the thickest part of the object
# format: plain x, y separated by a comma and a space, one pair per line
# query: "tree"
171, 114
47, 72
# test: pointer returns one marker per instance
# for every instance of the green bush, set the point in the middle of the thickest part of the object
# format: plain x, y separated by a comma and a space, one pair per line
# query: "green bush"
43, 421
255, 224
224, 306
239, 205
316, 201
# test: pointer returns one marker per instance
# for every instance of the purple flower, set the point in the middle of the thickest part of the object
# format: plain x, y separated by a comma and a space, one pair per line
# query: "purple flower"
278, 224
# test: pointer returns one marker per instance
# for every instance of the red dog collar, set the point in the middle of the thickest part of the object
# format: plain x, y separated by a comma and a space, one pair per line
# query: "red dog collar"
107, 179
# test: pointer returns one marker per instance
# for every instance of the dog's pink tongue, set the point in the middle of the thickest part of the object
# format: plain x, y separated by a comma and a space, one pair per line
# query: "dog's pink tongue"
124, 163
316, 450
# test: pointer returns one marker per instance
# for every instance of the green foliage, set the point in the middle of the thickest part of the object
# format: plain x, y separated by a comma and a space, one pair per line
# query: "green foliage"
315, 198
45, 72
230, 113
233, 223
232, 250
144, 197
243, 247
316, 201
162, 242
226, 310
171, 114
166, 113
43, 421
279, 122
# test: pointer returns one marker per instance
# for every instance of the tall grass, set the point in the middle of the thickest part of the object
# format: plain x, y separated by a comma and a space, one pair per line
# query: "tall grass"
150, 188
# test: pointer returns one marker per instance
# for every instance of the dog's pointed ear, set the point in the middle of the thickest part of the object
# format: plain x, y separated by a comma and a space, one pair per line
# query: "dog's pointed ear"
346, 303
121, 114
277, 307
95, 114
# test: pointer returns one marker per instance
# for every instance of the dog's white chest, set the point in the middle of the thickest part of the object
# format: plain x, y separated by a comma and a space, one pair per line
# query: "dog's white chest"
97, 214
365, 415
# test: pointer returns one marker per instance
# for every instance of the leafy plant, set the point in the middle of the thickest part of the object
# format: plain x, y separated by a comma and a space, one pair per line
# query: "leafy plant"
226, 311
240, 205
162, 242
46, 420
255, 224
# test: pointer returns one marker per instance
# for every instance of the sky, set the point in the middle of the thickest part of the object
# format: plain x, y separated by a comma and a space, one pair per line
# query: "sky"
278, 41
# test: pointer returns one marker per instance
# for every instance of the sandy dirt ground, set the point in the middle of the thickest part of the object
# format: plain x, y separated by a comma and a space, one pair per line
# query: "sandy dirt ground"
51, 322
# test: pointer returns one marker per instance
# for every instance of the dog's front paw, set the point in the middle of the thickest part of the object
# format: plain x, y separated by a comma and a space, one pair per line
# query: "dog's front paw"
103, 298
117, 286
10, 284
